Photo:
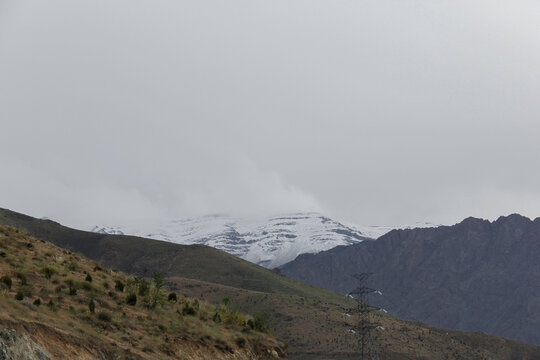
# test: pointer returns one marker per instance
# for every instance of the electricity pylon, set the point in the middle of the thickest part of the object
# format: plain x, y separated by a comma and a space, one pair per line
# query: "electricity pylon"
366, 328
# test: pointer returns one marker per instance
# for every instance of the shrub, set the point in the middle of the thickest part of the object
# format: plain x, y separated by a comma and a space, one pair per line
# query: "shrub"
72, 266
240, 341
72, 286
23, 279
37, 302
51, 305
131, 299
188, 310
19, 296
144, 287
7, 280
216, 318
2, 254
88, 277
234, 317
261, 321
172, 297
104, 316
49, 271
92, 306
119, 286
105, 285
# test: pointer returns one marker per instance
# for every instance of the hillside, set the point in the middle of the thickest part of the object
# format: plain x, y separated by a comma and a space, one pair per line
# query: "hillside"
476, 275
309, 318
57, 304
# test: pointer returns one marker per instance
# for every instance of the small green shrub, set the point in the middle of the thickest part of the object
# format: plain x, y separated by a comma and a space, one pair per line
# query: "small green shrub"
92, 306
2, 254
144, 287
188, 310
7, 280
23, 279
71, 283
240, 341
131, 299
88, 277
49, 271
172, 297
72, 266
37, 302
119, 286
261, 321
19, 296
104, 316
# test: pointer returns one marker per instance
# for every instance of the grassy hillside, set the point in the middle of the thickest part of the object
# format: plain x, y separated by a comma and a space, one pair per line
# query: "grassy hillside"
66, 301
310, 319
142, 256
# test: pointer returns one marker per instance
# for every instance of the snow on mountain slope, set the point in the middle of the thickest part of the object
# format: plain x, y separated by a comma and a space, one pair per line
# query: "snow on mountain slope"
268, 241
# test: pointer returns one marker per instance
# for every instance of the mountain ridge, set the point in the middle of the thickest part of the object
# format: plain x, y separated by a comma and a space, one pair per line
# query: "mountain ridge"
475, 275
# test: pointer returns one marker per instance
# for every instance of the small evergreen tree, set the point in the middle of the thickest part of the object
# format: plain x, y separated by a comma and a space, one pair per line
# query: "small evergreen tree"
88, 277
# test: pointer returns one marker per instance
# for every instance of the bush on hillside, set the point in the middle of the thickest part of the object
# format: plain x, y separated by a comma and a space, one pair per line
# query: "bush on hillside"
49, 271
92, 306
7, 280
131, 299
119, 286
104, 316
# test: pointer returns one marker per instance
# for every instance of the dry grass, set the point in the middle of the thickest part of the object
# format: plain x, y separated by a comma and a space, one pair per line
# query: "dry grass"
66, 284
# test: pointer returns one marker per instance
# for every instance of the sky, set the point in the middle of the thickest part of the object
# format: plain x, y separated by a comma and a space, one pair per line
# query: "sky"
371, 112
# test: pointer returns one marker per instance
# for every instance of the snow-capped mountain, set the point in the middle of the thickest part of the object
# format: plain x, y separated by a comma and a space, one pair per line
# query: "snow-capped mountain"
267, 241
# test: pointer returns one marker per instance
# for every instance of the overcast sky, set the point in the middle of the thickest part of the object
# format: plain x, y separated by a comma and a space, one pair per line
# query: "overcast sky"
373, 112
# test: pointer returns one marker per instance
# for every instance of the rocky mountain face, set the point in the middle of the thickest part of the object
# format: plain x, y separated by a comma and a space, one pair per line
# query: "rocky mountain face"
268, 241
475, 275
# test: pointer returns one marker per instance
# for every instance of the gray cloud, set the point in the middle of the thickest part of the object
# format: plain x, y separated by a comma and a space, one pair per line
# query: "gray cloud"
369, 111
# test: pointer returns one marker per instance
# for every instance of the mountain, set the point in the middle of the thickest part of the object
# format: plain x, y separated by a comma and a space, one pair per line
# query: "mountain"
56, 304
268, 241
475, 275
312, 320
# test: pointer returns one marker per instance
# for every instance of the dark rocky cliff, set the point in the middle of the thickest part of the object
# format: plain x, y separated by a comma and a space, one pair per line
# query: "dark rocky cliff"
475, 275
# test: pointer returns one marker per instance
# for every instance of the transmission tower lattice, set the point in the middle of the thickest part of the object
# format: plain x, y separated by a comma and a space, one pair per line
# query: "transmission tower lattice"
366, 334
